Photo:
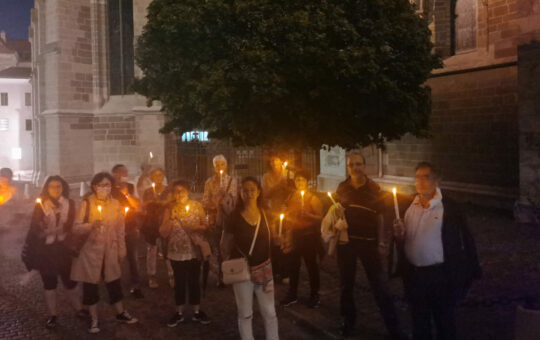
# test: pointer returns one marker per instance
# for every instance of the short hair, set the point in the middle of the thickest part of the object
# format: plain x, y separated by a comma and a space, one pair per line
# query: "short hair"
100, 177
356, 152
181, 183
117, 167
6, 172
302, 173
157, 168
218, 158
431, 167
55, 178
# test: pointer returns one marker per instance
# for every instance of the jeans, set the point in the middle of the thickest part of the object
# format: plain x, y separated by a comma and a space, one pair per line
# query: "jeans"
307, 248
430, 298
368, 254
151, 259
243, 293
186, 275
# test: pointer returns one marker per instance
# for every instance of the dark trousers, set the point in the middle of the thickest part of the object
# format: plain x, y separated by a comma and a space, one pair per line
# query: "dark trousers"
279, 263
306, 247
132, 243
430, 298
367, 252
186, 275
55, 261
91, 292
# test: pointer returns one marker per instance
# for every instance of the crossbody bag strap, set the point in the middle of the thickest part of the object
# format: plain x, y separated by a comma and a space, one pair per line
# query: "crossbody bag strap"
255, 236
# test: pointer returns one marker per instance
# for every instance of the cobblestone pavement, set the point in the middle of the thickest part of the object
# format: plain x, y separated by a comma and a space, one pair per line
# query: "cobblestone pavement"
509, 255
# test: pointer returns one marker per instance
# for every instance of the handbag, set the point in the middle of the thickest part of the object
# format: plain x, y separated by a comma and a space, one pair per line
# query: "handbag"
75, 241
237, 270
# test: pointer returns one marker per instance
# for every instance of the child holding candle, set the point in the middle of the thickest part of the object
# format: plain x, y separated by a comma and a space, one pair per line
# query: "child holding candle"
52, 221
303, 238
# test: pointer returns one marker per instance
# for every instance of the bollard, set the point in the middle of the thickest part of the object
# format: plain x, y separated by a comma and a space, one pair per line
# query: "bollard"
82, 192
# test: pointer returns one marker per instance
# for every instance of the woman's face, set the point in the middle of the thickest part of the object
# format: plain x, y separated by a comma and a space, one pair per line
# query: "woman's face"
220, 165
276, 164
300, 183
181, 194
103, 188
55, 189
249, 192
157, 176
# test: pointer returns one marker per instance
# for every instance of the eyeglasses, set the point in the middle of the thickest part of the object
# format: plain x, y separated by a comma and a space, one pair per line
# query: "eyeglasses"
103, 185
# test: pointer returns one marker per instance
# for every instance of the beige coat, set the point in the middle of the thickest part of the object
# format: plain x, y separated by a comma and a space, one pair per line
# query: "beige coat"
106, 246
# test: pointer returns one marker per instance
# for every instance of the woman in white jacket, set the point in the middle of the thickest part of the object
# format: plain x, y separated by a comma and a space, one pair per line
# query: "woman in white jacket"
101, 218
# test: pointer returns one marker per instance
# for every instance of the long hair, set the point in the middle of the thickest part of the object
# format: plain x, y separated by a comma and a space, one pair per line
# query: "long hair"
240, 203
100, 177
45, 188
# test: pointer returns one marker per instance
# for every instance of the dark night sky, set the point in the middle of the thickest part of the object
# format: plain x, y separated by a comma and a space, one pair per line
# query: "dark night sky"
15, 17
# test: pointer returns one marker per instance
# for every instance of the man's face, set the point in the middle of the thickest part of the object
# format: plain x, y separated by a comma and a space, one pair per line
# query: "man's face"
219, 165
157, 176
119, 174
425, 181
355, 166
300, 183
276, 164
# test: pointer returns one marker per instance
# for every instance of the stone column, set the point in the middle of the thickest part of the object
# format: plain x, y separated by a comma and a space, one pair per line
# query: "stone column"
529, 132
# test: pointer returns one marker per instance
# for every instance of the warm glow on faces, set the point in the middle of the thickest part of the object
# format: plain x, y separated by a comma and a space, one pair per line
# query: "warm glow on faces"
276, 164
300, 183
355, 166
157, 177
249, 191
219, 165
55, 189
181, 194
425, 181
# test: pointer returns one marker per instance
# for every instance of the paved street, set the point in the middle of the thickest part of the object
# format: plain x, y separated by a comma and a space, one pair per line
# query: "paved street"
508, 254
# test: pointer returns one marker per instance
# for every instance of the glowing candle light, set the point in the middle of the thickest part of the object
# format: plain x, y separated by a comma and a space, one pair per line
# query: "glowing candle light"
333, 201
396, 206
302, 193
126, 209
100, 208
40, 202
154, 187
220, 178
187, 209
281, 216
151, 155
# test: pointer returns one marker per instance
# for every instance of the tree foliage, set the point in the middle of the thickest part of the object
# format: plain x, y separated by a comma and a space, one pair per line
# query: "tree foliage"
281, 72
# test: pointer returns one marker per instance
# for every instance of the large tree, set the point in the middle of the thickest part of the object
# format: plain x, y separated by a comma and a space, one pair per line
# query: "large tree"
282, 72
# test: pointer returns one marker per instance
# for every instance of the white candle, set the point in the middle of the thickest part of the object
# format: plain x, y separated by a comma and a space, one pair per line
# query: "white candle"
396, 206
154, 187
221, 178
302, 193
40, 202
330, 195
126, 209
281, 216
151, 155
187, 209
99, 208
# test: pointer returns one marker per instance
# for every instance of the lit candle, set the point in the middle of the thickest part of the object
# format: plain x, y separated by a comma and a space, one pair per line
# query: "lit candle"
187, 209
40, 202
220, 178
126, 209
99, 208
151, 155
281, 216
302, 193
396, 206
154, 187
330, 195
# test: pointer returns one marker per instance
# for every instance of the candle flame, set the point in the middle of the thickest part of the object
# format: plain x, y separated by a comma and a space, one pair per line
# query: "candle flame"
221, 172
151, 155
153, 185
329, 194
302, 193
187, 208
281, 216
126, 209
394, 190
285, 164
38, 200
99, 208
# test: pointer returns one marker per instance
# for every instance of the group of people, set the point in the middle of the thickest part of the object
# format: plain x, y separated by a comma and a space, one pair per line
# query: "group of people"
273, 224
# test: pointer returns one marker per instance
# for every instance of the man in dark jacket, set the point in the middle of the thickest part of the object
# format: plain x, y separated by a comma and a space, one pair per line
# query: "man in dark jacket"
438, 257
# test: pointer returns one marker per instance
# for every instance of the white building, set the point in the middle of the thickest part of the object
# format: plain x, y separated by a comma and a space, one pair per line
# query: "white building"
16, 122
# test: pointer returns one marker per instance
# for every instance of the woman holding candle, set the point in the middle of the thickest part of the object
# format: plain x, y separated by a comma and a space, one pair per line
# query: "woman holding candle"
303, 238
101, 256
183, 226
44, 249
155, 200
246, 228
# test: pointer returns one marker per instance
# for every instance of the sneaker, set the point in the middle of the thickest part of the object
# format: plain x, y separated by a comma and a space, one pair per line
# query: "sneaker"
82, 314
51, 322
201, 318
94, 327
175, 320
152, 283
124, 317
314, 301
136, 293
289, 300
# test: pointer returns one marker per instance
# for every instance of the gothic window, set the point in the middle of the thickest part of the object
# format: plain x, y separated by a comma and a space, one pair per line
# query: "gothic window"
121, 51
464, 23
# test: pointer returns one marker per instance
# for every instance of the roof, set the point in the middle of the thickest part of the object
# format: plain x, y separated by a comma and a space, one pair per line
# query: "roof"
16, 73
22, 47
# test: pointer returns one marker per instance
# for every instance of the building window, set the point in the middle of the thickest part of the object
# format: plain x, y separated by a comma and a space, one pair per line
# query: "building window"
28, 99
464, 25
28, 124
201, 136
3, 99
4, 124
121, 51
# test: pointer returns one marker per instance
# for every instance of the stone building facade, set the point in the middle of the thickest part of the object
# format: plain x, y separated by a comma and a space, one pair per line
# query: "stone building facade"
476, 119
86, 115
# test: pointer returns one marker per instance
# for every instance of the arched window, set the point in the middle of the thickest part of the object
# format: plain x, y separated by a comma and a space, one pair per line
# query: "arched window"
464, 24
121, 51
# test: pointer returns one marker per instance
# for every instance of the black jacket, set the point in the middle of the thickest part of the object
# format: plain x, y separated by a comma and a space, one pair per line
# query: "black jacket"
460, 258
